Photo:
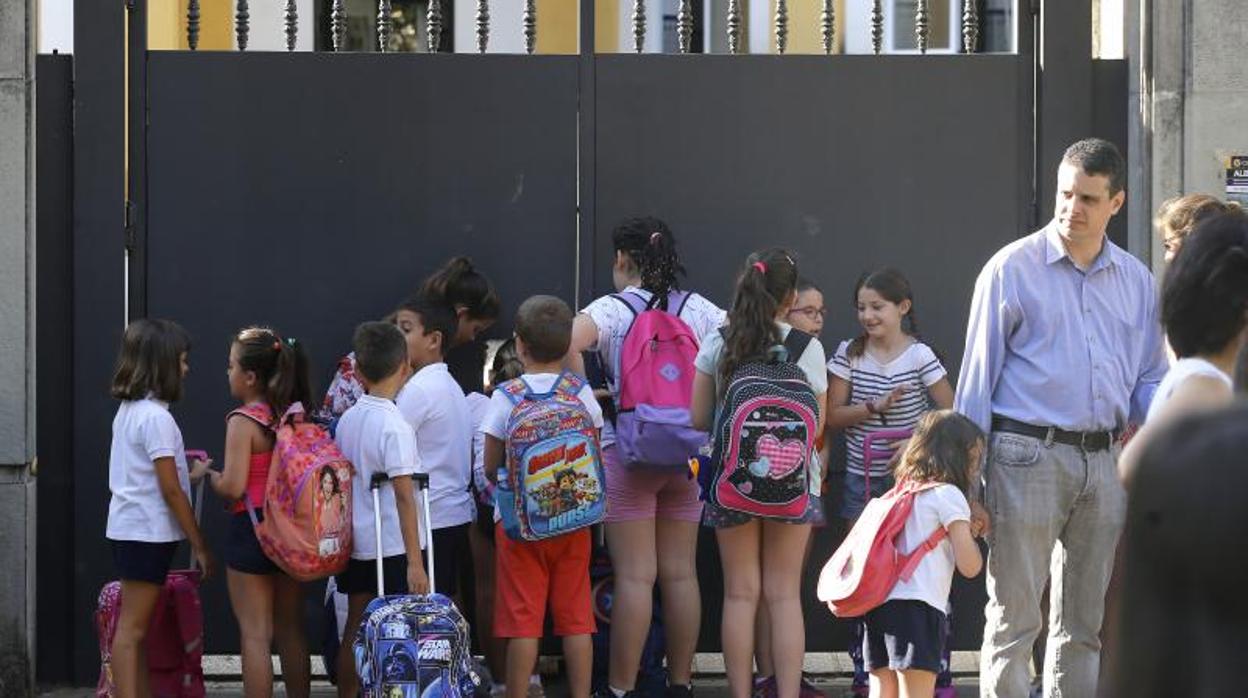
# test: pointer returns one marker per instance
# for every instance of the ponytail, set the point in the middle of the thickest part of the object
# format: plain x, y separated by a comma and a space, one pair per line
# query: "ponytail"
652, 247
767, 281
458, 284
280, 365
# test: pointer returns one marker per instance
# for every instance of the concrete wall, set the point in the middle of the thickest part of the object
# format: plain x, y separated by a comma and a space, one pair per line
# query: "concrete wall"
1189, 101
17, 337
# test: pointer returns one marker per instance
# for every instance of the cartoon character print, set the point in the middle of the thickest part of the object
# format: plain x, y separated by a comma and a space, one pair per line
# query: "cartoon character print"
773, 453
329, 511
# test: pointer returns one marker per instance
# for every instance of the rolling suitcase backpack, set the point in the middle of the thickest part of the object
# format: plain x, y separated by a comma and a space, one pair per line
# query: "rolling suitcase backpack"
175, 638
413, 646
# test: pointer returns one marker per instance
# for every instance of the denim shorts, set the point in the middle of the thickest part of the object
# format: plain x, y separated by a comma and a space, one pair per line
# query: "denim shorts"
853, 500
903, 634
242, 550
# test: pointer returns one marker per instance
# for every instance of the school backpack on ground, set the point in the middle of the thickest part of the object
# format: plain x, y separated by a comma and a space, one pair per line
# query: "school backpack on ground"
765, 436
656, 384
651, 674
175, 636
414, 646
553, 481
307, 502
867, 565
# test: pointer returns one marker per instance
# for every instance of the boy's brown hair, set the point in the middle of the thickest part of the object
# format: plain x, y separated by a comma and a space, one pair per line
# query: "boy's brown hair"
939, 450
150, 361
544, 324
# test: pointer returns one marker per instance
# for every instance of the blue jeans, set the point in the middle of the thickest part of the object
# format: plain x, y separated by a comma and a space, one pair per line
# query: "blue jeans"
1056, 514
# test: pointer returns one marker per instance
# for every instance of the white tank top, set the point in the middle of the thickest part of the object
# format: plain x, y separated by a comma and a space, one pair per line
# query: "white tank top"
1180, 372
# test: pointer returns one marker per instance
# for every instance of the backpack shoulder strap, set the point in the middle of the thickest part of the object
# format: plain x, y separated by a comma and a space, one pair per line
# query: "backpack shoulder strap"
258, 412
515, 389
677, 300
569, 386
796, 344
635, 303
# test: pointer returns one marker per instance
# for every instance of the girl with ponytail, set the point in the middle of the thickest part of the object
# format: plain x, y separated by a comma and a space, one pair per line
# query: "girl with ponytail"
884, 379
652, 515
762, 557
267, 374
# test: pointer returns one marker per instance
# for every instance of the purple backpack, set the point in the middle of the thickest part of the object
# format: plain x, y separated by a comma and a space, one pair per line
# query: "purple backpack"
653, 427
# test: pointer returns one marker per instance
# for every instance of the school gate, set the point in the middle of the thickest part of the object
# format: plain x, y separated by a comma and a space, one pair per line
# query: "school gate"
312, 190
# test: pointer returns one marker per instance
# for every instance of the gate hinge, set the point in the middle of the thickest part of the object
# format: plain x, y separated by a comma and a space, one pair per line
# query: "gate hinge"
130, 4
129, 226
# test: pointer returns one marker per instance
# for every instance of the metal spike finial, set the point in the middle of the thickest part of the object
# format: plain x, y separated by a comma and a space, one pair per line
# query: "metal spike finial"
970, 26
242, 26
338, 24
483, 25
192, 24
782, 26
433, 25
684, 26
639, 25
877, 26
827, 21
921, 25
734, 26
292, 25
383, 25
530, 26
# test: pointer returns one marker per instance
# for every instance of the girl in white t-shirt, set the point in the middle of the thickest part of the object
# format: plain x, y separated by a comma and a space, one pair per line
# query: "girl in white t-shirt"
762, 557
652, 517
148, 475
904, 640
884, 379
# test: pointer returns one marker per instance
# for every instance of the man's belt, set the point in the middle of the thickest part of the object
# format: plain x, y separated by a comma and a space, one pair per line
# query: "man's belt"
1089, 441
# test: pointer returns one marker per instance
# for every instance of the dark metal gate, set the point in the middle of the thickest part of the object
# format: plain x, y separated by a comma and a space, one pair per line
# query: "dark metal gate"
311, 190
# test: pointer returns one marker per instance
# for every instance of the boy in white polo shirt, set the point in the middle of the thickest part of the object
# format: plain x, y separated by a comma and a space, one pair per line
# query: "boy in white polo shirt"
434, 405
376, 438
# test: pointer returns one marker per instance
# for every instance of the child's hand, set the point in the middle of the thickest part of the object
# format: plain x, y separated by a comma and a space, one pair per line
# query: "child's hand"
199, 468
981, 522
206, 562
886, 402
417, 580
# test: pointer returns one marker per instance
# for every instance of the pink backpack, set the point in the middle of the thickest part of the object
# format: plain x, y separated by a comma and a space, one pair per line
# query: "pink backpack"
175, 638
307, 502
867, 565
656, 385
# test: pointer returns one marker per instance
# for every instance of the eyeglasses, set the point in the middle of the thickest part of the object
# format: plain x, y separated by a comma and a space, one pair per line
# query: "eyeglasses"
811, 312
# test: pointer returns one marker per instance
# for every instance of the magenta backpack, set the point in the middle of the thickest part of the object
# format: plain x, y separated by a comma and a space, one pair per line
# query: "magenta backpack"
653, 427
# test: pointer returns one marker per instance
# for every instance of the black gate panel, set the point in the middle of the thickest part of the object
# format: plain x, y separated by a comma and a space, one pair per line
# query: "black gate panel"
314, 191
918, 162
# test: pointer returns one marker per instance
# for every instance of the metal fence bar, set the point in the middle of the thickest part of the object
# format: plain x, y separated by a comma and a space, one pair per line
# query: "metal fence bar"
877, 26
483, 25
530, 26
292, 25
782, 26
639, 25
734, 26
970, 26
433, 25
684, 26
921, 25
192, 24
384, 25
338, 24
242, 27
828, 21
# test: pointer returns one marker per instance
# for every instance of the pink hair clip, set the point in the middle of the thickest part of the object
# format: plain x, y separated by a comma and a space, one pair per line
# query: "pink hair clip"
762, 268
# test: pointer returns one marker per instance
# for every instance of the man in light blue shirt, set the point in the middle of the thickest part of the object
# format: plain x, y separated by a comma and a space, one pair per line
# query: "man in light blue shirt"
1063, 351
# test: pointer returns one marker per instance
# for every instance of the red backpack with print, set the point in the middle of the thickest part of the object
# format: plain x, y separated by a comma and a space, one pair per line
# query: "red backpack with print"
307, 502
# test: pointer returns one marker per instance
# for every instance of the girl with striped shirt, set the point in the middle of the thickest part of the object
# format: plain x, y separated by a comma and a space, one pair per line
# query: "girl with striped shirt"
882, 380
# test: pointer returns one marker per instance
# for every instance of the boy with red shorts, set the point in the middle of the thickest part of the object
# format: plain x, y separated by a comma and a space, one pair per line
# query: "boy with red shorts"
553, 571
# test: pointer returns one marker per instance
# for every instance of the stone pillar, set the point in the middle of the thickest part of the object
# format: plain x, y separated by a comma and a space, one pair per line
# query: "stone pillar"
17, 345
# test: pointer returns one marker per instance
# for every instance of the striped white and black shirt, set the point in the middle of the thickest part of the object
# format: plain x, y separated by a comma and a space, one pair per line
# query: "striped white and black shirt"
916, 368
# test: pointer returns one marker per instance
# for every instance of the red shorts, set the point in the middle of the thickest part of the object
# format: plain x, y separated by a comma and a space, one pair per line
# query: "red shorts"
531, 573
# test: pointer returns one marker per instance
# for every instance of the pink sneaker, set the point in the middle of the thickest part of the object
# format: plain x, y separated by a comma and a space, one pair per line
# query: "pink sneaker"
765, 687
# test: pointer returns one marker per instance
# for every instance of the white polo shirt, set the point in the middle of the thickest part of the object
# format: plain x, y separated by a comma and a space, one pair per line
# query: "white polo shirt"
433, 405
373, 435
143, 430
